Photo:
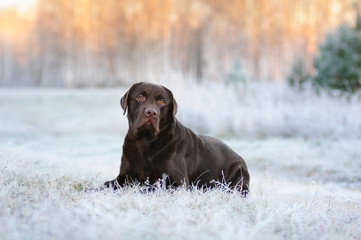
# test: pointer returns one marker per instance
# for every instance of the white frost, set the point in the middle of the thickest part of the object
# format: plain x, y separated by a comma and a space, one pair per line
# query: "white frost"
303, 153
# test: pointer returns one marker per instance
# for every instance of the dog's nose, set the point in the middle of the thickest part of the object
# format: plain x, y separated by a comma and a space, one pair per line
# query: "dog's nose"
151, 112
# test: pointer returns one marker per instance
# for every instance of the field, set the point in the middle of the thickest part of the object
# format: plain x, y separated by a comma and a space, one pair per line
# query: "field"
303, 151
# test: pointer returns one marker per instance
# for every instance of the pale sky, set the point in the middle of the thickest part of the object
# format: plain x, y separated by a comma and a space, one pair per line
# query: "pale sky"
21, 5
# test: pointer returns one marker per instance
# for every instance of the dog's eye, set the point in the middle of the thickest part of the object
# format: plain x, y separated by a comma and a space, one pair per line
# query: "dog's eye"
161, 101
140, 98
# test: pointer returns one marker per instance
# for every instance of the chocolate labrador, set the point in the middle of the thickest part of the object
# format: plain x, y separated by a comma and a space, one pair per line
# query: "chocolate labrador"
157, 144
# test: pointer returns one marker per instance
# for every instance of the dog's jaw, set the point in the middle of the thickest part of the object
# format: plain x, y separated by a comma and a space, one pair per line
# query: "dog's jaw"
149, 123
146, 129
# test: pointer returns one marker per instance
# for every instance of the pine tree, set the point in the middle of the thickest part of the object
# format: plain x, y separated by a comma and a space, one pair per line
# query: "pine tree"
339, 63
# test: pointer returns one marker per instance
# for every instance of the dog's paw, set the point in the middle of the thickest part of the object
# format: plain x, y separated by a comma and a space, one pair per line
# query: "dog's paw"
113, 184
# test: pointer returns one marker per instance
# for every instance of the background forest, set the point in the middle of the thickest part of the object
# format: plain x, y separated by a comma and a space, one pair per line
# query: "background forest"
93, 43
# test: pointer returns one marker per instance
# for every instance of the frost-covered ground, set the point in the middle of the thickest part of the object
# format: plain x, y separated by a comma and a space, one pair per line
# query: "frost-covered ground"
303, 151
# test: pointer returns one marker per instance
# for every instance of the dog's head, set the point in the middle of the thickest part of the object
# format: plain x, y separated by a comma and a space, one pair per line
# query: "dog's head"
151, 109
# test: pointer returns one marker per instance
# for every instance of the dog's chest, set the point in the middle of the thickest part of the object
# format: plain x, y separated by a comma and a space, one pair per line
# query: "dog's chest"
148, 161
146, 166
148, 172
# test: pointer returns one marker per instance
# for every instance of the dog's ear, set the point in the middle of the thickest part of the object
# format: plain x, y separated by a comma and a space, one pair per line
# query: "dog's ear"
175, 109
173, 104
124, 101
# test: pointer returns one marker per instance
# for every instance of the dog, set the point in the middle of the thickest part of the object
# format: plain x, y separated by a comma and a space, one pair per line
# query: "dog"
157, 144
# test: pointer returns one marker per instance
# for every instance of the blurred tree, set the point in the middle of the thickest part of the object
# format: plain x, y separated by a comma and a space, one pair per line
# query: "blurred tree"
48, 45
299, 75
339, 64
237, 76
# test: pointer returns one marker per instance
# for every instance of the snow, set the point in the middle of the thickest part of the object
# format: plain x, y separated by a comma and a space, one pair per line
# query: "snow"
303, 151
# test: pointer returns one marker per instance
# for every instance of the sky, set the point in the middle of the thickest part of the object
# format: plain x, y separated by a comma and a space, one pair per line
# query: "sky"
21, 5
